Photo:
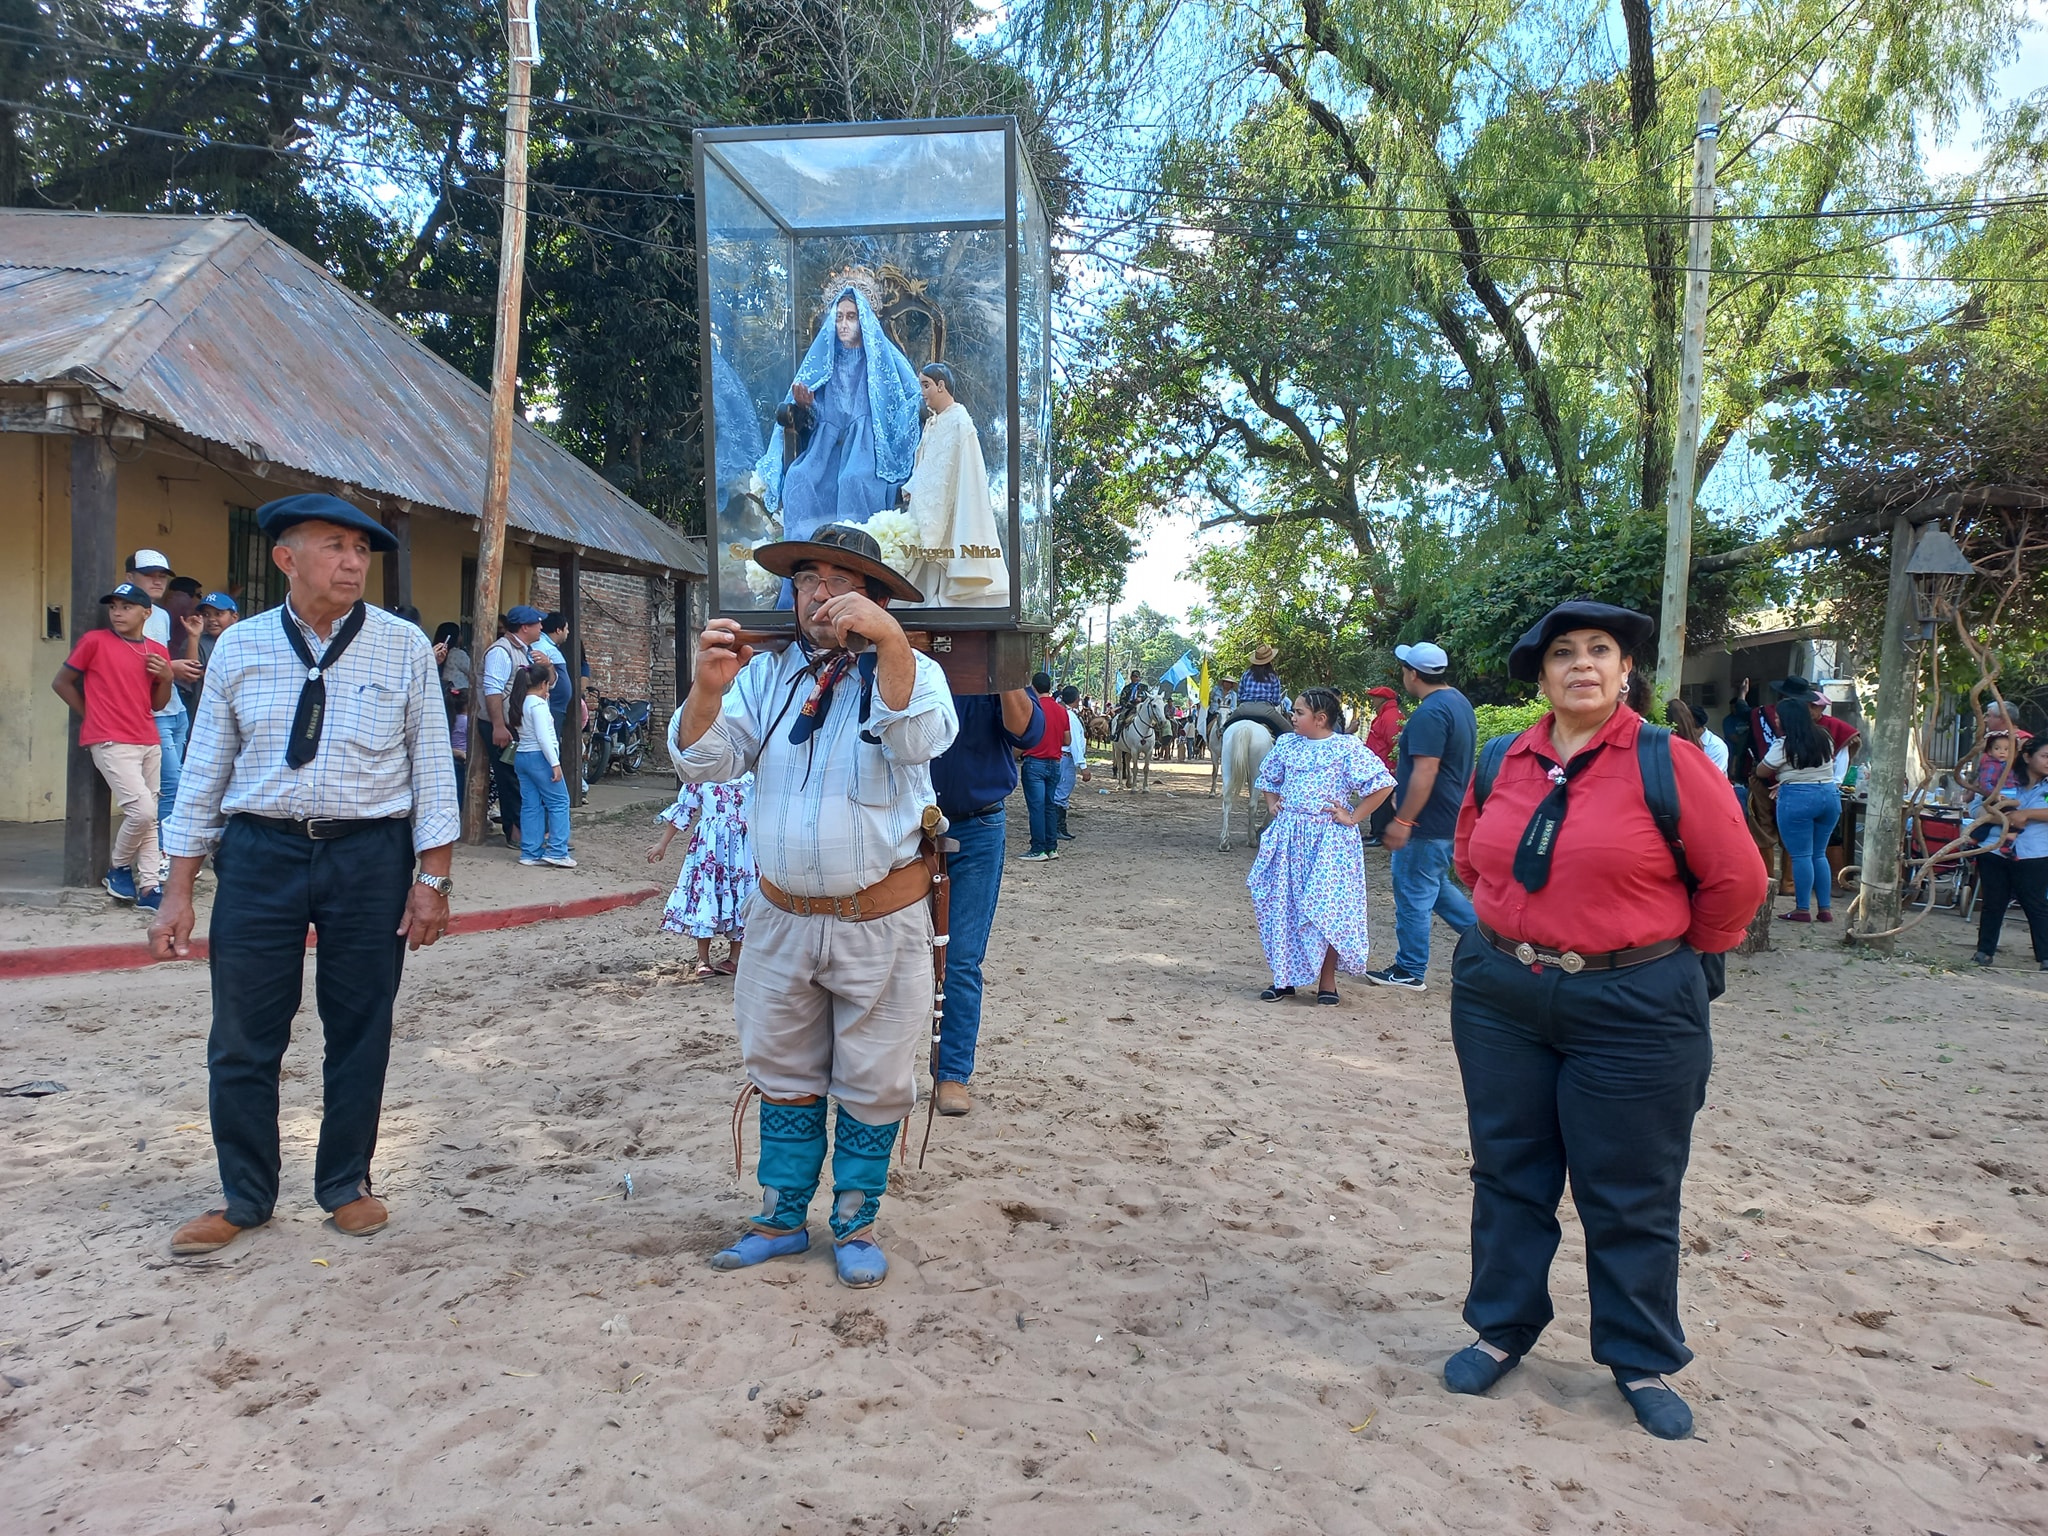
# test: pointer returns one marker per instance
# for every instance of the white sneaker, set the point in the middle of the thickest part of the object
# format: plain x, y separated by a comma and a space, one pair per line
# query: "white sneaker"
531, 863
564, 862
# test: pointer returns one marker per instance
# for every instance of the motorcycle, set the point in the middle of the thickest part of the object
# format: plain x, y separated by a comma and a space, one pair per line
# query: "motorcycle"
618, 738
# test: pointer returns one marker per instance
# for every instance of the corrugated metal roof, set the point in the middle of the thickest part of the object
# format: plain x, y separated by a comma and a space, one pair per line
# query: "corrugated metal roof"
217, 328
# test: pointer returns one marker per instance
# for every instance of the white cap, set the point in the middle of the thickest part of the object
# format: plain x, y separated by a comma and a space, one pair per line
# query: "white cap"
148, 560
1425, 656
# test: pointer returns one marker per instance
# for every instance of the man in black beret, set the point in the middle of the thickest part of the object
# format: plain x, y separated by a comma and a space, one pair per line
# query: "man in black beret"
321, 781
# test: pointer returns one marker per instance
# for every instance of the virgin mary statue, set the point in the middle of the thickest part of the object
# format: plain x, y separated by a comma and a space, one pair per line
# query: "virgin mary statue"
851, 416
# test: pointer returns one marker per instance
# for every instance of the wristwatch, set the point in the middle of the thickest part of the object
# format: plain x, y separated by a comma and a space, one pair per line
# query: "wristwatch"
441, 884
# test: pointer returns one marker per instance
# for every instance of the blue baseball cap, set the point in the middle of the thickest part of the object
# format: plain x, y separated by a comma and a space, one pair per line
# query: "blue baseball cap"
274, 517
128, 592
523, 615
221, 601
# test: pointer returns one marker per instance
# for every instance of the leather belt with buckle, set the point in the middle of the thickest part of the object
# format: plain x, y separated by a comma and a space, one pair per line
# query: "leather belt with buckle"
896, 890
322, 829
1571, 962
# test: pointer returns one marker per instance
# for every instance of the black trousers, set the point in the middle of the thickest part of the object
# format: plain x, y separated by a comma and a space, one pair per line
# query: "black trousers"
2006, 881
1595, 1078
506, 776
352, 891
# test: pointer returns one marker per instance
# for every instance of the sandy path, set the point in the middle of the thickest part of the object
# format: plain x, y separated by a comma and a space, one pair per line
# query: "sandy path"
1191, 1265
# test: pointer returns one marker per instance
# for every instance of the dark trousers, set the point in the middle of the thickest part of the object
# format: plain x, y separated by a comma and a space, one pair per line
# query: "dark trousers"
506, 776
2006, 881
1595, 1077
352, 891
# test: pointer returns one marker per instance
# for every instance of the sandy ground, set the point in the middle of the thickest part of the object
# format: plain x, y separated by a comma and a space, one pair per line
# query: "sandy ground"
1192, 1264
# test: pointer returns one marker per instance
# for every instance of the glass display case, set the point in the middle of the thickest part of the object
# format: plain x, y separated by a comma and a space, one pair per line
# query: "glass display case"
838, 263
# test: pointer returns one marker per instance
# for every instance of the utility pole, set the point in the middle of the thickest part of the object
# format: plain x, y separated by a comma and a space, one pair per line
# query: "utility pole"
523, 52
1108, 698
1691, 371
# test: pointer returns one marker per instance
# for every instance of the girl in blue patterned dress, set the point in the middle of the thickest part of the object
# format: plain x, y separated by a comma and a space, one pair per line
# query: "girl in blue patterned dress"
1308, 882
717, 878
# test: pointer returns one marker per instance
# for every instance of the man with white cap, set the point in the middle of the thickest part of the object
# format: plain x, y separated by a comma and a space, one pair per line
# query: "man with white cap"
1433, 763
149, 570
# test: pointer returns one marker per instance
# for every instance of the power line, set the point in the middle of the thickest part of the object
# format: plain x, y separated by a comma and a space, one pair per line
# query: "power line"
1293, 239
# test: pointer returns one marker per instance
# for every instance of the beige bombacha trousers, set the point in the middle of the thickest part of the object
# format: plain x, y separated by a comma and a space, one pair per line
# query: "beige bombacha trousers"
833, 1007
132, 773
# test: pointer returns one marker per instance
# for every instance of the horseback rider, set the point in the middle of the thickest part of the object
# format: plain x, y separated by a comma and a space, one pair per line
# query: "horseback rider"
1261, 696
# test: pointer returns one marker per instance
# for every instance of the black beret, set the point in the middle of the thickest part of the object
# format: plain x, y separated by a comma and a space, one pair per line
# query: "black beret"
1632, 630
273, 517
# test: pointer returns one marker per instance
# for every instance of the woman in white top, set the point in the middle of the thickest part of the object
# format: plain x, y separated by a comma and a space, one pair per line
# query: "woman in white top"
543, 838
1801, 763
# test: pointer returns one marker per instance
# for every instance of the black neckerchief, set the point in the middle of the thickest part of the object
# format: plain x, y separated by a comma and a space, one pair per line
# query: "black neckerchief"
312, 710
1539, 838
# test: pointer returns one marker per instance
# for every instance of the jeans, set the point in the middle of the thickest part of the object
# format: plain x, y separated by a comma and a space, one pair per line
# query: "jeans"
544, 828
1040, 775
976, 879
1064, 790
2007, 880
1423, 885
1595, 1077
173, 732
353, 891
1807, 813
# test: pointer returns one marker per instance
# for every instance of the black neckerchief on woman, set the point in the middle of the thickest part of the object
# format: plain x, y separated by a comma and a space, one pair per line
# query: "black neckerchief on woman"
1539, 839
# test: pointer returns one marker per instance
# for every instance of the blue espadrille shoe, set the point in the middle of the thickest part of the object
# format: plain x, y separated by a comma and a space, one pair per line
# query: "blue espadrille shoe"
1658, 1409
759, 1247
1473, 1371
860, 1263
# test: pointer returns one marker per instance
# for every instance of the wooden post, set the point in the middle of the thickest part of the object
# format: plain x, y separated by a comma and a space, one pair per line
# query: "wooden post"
571, 599
490, 553
398, 562
1108, 699
1691, 378
686, 638
88, 811
1884, 812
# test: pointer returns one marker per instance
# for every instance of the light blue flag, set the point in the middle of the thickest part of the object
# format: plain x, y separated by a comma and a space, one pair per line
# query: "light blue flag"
1181, 670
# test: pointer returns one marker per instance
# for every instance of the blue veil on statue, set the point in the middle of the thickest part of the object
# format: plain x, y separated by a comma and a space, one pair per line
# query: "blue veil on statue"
865, 426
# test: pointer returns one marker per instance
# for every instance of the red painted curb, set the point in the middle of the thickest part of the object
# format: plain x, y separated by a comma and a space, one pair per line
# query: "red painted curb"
72, 959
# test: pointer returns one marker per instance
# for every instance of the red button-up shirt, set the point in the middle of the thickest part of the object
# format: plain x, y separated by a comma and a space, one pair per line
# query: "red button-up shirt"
1612, 883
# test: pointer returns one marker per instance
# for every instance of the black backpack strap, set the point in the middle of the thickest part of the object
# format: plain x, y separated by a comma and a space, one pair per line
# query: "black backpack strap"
1490, 758
1660, 793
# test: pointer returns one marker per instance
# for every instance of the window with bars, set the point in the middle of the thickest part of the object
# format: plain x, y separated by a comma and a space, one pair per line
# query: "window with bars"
254, 581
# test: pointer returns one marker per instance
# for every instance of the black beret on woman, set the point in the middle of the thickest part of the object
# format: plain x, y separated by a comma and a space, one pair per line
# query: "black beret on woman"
1579, 1010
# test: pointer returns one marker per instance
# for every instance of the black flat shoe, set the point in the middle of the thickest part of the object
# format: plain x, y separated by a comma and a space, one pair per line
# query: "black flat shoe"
1980, 958
1328, 999
1473, 1371
1658, 1409
1274, 994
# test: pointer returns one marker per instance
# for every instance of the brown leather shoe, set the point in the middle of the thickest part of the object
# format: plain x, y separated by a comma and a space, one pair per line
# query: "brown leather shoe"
953, 1099
204, 1234
359, 1218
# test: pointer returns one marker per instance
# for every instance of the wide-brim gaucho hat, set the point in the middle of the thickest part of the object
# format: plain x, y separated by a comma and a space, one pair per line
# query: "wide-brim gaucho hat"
843, 545
1264, 656
1631, 630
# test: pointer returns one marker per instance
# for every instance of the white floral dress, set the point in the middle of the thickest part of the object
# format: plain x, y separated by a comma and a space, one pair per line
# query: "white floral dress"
717, 878
1308, 882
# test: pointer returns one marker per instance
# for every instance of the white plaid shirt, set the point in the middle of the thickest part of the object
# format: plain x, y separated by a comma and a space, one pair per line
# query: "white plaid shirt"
833, 816
383, 745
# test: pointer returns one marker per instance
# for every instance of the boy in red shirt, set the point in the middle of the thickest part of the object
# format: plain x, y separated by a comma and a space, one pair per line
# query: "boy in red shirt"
115, 680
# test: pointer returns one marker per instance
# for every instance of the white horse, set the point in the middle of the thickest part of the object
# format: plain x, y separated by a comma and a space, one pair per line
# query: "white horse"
1135, 743
1212, 733
1243, 753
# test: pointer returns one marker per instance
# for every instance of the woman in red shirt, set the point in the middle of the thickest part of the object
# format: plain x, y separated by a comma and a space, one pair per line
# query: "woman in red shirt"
1579, 1011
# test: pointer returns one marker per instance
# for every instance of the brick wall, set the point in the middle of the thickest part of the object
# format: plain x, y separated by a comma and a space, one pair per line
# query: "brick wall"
628, 633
